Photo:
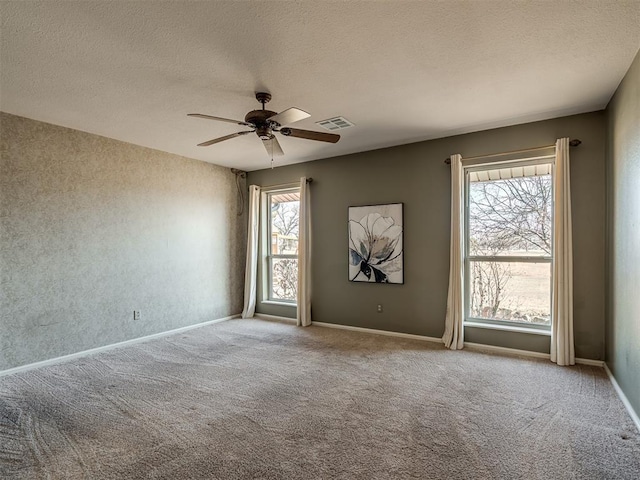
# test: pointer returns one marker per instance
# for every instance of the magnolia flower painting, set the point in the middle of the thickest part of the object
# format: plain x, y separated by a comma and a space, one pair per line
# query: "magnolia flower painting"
375, 244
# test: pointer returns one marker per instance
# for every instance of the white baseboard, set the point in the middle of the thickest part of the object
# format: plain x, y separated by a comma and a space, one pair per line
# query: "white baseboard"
378, 332
472, 346
623, 397
526, 353
65, 358
589, 361
481, 347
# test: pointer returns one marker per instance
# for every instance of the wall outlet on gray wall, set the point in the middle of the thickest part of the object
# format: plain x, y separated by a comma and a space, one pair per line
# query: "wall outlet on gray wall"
379, 308
136, 314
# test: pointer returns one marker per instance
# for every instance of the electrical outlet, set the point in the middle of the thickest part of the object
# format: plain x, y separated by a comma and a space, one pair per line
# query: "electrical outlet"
379, 308
136, 314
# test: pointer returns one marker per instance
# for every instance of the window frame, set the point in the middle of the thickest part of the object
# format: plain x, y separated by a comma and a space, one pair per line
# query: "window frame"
269, 256
468, 320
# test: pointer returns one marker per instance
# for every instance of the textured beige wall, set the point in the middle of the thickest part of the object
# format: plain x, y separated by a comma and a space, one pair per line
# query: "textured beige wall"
623, 235
93, 229
416, 175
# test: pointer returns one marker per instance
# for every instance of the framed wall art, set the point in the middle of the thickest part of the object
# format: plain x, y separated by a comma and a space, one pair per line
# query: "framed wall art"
376, 244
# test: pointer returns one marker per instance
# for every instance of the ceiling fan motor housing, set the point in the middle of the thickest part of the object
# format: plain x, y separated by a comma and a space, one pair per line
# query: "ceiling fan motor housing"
263, 126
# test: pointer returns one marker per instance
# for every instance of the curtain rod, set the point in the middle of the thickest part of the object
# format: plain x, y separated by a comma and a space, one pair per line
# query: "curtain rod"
287, 185
573, 143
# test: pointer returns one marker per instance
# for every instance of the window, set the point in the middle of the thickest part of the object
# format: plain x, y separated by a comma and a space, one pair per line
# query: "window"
283, 214
508, 245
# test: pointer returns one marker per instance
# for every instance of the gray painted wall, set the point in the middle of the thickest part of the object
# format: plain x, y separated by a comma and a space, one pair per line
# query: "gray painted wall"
93, 229
623, 235
416, 175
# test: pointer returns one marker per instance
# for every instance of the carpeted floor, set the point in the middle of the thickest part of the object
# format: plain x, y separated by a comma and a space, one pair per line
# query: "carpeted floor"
257, 399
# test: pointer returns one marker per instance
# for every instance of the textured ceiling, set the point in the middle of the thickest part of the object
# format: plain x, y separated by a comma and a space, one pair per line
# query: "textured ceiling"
402, 71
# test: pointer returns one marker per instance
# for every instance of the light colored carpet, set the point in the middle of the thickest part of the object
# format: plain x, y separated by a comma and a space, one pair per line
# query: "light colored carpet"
258, 399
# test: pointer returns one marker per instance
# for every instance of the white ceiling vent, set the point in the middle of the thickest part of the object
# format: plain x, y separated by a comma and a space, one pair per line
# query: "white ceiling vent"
335, 123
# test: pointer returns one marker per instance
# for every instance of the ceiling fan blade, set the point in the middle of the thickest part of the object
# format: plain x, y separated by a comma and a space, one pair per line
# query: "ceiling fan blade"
273, 147
222, 139
220, 119
289, 115
310, 135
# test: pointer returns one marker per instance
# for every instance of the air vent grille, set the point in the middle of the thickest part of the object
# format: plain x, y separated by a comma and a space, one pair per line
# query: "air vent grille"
335, 123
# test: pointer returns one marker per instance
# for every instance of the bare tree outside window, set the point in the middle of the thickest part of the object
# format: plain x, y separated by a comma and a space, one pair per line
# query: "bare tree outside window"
509, 248
285, 218
511, 216
285, 279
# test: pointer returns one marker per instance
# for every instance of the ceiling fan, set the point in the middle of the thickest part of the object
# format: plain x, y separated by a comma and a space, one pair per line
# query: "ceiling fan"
265, 122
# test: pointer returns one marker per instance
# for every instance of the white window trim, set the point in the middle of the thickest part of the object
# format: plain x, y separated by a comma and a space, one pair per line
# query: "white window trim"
507, 327
279, 303
474, 322
267, 256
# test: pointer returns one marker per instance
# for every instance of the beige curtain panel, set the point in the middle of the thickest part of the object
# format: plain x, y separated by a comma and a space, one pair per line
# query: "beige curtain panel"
304, 257
251, 269
453, 337
562, 345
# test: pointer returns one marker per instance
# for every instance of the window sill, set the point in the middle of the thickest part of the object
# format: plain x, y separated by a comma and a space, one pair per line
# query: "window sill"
507, 328
281, 304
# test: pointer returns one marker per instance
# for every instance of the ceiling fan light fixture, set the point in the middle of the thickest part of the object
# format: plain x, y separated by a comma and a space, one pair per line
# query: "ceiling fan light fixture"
264, 132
